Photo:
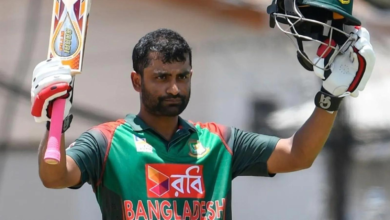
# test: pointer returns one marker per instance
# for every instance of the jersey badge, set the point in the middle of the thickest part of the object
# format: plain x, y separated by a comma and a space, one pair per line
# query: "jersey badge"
142, 145
197, 149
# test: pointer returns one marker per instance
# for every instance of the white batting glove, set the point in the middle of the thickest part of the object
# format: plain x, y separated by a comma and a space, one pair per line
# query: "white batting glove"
51, 80
348, 74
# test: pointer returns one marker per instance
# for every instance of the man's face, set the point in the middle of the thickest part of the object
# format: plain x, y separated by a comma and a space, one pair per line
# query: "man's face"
166, 87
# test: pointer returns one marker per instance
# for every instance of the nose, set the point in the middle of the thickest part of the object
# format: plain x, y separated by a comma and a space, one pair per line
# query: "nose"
173, 89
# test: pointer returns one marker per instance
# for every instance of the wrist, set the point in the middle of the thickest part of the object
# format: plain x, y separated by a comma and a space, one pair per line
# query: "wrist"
327, 101
65, 124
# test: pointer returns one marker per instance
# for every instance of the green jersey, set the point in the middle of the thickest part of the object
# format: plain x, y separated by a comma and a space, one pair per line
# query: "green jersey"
136, 174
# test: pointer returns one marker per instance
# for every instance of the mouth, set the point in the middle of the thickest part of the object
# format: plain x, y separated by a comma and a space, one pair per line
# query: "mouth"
173, 101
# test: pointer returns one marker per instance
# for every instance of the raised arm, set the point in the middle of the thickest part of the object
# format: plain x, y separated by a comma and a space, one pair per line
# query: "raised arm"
81, 162
348, 75
299, 151
52, 80
64, 174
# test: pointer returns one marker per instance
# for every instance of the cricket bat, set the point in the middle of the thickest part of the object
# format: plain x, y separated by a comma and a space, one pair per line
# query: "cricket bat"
67, 40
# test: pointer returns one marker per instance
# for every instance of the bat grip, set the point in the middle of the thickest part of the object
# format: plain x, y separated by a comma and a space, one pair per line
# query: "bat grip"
53, 154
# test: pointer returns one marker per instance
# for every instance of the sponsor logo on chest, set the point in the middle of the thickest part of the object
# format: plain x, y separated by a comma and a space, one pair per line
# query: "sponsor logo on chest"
174, 181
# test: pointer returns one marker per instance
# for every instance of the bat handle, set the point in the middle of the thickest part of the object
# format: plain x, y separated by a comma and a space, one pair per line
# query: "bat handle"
53, 153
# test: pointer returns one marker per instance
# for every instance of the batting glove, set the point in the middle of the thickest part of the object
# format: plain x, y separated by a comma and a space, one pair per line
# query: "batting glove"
51, 80
348, 74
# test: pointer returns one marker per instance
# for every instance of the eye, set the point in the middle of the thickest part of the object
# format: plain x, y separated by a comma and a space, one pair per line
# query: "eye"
183, 76
161, 77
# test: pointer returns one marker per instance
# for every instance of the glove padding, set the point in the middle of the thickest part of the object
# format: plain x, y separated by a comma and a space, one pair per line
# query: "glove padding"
350, 71
51, 80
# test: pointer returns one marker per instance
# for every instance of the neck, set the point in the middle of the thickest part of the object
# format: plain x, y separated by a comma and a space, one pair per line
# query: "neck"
165, 126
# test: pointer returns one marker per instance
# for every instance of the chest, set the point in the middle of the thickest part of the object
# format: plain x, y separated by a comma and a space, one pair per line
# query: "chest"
191, 175
184, 168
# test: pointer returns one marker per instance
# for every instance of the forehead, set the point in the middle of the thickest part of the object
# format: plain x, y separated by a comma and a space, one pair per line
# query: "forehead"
156, 64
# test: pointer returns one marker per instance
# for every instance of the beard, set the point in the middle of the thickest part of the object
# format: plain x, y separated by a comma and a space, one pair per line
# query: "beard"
157, 106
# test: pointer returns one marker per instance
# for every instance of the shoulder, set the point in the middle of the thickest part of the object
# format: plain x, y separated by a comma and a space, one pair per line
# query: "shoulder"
221, 130
108, 128
101, 134
211, 126
98, 136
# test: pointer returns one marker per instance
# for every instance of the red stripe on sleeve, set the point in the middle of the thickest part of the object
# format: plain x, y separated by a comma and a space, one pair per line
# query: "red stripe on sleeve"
108, 130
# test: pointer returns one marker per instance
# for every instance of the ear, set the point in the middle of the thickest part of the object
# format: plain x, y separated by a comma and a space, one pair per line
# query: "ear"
136, 80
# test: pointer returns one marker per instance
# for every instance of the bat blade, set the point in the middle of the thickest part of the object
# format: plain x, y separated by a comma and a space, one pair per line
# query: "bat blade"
68, 32
67, 41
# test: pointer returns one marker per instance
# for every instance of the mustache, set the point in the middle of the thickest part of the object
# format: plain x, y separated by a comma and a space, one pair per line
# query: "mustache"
162, 98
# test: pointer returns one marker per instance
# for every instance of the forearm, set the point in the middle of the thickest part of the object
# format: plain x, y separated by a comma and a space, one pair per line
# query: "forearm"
309, 140
51, 175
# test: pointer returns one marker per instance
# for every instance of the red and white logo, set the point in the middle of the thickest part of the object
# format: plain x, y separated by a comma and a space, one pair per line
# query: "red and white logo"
174, 181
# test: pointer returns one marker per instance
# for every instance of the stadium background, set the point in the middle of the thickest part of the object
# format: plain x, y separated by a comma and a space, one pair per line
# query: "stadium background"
245, 75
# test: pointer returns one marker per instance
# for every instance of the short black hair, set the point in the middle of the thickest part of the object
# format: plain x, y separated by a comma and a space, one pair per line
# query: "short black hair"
170, 45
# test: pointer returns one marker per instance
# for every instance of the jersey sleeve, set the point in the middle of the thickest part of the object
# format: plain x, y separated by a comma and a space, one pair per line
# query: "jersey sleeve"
251, 152
88, 151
